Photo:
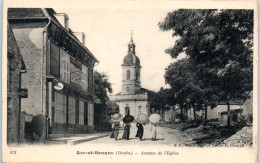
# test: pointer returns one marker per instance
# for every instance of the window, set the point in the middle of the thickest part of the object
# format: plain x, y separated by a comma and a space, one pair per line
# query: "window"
65, 66
140, 109
127, 110
60, 108
136, 75
71, 110
81, 112
75, 71
90, 114
128, 75
90, 80
84, 80
54, 60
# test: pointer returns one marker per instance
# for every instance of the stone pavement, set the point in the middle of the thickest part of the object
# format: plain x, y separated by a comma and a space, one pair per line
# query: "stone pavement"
74, 139
165, 136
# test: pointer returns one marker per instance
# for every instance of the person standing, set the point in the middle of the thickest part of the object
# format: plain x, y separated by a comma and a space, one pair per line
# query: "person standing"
115, 121
140, 131
154, 130
127, 124
115, 130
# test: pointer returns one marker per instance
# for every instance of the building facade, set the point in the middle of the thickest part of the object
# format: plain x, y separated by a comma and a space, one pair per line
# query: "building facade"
15, 67
59, 74
132, 97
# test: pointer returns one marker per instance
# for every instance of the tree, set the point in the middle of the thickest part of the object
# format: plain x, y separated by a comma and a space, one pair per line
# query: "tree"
219, 42
101, 112
163, 98
181, 76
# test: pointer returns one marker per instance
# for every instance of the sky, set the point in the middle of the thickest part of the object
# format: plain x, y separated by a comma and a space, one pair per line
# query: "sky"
108, 32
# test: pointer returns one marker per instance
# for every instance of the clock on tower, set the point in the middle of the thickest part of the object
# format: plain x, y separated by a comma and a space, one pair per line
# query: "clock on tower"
127, 88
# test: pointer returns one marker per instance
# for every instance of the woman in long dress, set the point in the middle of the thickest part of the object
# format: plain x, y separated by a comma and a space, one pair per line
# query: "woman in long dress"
126, 131
140, 131
154, 130
115, 130
127, 124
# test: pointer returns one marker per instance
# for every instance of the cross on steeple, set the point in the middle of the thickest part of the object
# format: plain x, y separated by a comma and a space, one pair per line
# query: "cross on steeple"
131, 35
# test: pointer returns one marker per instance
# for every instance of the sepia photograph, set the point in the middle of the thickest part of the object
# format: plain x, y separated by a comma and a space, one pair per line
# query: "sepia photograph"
130, 81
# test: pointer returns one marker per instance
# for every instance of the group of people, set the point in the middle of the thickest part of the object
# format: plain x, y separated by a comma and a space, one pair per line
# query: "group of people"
127, 125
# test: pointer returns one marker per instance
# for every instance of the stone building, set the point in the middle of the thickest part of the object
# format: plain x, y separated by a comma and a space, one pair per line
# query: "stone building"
15, 67
59, 74
132, 97
219, 112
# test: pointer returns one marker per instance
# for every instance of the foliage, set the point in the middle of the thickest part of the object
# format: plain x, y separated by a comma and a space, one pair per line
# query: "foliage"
101, 87
219, 44
163, 98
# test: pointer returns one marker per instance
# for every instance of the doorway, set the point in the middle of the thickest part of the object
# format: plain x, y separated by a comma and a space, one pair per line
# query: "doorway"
127, 110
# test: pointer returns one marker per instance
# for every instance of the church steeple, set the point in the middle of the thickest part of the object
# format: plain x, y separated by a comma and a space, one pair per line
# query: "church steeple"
131, 45
131, 70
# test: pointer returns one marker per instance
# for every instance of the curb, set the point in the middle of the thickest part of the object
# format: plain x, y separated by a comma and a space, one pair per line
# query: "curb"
75, 142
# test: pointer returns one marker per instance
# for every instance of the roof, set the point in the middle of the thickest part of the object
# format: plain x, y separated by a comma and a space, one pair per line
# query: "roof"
25, 13
39, 13
12, 46
143, 91
131, 60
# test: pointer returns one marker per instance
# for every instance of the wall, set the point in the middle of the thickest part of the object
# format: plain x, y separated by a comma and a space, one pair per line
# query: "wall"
14, 64
214, 113
30, 42
132, 82
248, 106
13, 102
211, 113
169, 115
134, 107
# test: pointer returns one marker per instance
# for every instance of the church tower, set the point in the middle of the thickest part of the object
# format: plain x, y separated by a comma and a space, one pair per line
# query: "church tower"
131, 71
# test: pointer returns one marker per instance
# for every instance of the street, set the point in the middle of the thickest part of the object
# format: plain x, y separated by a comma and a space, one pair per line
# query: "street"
165, 136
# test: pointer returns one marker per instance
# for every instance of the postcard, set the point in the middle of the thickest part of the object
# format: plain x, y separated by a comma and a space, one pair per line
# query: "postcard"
130, 81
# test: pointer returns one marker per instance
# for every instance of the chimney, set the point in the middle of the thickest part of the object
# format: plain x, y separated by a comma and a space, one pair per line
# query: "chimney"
81, 37
63, 20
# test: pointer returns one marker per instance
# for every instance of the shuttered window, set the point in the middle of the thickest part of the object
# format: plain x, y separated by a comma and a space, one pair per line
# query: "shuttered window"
64, 66
90, 114
71, 110
90, 81
60, 108
81, 112
84, 80
54, 60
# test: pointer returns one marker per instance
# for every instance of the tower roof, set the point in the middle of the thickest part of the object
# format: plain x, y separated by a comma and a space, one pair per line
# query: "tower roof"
131, 59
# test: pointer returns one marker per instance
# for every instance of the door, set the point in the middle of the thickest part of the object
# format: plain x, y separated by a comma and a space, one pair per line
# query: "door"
85, 113
127, 111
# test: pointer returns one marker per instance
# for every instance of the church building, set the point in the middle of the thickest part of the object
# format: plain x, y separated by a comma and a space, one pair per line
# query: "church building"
132, 97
